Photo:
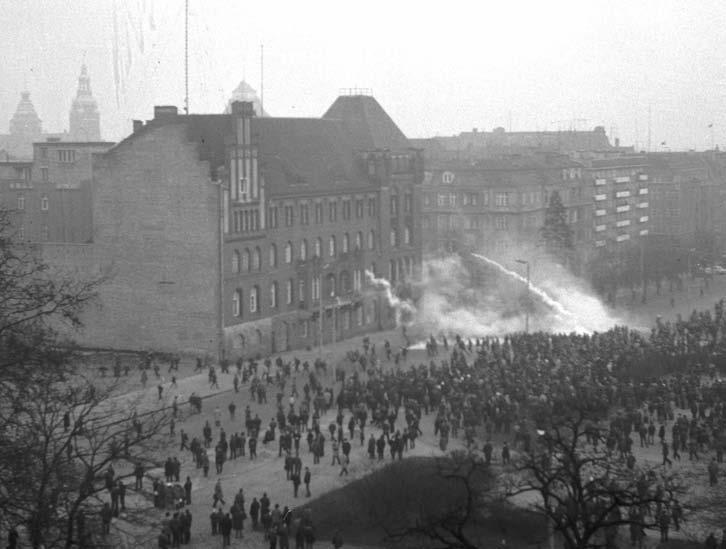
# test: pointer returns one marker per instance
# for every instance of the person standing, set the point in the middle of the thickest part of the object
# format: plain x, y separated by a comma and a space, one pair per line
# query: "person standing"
255, 513
188, 491
226, 528
139, 475
306, 480
106, 515
295, 482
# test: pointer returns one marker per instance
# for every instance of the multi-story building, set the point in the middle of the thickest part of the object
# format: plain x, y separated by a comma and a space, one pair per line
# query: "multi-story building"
621, 209
477, 144
683, 201
251, 234
51, 195
492, 204
26, 127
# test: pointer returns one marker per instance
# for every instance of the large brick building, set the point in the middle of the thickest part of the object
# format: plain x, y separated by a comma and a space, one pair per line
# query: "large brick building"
237, 231
493, 204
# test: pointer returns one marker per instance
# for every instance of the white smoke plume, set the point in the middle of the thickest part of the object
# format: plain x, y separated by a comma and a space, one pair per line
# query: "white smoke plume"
405, 310
452, 301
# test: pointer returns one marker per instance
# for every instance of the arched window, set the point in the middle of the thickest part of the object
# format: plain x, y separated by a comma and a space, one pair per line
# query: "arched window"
237, 303
346, 243
358, 240
256, 260
273, 256
289, 288
235, 261
331, 246
372, 240
409, 266
288, 252
315, 288
400, 271
254, 299
318, 247
344, 282
407, 235
303, 250
246, 260
392, 270
330, 285
273, 295
394, 237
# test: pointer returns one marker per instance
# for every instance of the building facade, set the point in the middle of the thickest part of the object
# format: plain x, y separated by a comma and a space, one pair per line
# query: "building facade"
493, 205
250, 234
620, 193
51, 195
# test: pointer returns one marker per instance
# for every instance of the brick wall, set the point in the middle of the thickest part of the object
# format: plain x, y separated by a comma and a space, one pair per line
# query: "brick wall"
155, 233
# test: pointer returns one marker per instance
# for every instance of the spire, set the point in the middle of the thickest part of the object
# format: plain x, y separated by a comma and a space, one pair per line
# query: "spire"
84, 83
85, 121
25, 127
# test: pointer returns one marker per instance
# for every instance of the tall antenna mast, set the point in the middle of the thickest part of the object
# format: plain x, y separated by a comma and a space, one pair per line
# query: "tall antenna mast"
262, 78
186, 57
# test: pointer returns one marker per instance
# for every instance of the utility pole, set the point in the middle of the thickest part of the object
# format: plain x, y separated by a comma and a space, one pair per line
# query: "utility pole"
320, 314
262, 78
186, 56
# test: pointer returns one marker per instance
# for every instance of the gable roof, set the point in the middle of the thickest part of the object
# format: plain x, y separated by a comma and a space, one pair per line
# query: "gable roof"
304, 150
366, 120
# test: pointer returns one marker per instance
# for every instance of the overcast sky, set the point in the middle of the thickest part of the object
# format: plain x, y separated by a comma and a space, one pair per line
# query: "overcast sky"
438, 68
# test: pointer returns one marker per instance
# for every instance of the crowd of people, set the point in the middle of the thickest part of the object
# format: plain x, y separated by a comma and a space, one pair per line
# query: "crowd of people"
484, 391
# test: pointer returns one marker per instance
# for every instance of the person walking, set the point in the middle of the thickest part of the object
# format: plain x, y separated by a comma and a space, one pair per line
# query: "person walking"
218, 495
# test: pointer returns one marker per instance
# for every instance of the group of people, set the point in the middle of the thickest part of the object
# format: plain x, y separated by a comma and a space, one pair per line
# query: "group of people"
479, 390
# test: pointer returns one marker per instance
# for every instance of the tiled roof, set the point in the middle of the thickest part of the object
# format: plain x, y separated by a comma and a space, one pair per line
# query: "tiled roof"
366, 120
304, 150
292, 151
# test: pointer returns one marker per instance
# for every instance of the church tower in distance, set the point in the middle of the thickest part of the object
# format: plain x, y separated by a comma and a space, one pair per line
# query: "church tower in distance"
85, 121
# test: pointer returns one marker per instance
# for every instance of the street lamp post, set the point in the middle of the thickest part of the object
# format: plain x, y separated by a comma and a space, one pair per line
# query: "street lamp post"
526, 305
321, 308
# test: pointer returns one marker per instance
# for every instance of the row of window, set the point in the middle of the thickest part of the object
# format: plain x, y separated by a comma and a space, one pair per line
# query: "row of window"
251, 260
292, 291
303, 212
44, 204
44, 233
333, 287
307, 213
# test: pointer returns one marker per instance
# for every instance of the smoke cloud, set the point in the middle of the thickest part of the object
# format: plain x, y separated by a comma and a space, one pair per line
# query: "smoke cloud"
478, 296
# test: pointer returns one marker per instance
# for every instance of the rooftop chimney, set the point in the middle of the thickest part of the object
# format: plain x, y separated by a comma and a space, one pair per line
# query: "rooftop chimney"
165, 111
138, 124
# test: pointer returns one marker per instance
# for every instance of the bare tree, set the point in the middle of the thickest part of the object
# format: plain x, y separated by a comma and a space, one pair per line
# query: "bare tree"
434, 503
58, 430
585, 490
